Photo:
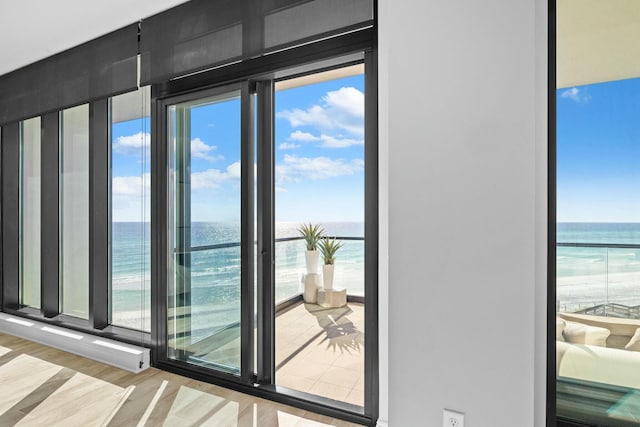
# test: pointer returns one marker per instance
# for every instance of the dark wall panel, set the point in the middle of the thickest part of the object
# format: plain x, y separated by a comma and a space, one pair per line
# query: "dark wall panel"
50, 214
202, 34
190, 37
304, 20
99, 211
99, 68
11, 215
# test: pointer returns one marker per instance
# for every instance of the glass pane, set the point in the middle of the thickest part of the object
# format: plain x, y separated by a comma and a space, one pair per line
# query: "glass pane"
598, 215
204, 236
130, 210
319, 161
74, 211
30, 213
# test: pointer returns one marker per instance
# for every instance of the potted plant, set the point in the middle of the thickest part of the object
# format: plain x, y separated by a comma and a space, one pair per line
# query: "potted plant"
328, 248
311, 235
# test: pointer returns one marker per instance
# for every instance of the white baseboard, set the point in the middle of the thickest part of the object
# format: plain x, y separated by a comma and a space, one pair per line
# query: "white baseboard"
382, 423
115, 353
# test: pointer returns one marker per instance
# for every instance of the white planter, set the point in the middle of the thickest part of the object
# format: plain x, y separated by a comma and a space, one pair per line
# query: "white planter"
311, 259
327, 276
310, 294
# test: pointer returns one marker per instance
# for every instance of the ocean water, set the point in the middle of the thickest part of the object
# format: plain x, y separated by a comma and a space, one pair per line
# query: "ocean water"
590, 276
215, 273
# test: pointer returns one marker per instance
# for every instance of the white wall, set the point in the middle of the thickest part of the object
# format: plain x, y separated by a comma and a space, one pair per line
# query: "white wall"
463, 125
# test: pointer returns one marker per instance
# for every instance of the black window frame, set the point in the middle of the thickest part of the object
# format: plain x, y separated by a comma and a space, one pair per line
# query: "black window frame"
551, 418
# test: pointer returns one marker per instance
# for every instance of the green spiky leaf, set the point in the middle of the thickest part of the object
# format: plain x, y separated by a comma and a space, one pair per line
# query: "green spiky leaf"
328, 248
311, 234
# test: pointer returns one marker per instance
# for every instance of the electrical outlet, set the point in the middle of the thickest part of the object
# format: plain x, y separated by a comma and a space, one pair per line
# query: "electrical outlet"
451, 418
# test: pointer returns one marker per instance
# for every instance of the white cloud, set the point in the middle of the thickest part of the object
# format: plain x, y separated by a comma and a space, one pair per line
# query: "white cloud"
298, 135
331, 142
131, 186
347, 99
213, 178
341, 110
131, 144
314, 116
288, 146
326, 141
130, 197
200, 150
576, 95
295, 168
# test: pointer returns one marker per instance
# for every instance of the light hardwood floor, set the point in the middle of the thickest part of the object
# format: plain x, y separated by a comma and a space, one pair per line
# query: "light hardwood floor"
42, 386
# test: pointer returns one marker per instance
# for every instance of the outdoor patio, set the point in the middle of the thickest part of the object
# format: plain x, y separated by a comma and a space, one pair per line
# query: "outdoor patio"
321, 351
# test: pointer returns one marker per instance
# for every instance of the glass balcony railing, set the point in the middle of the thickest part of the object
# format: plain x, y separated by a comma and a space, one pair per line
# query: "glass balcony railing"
290, 267
215, 278
215, 274
598, 278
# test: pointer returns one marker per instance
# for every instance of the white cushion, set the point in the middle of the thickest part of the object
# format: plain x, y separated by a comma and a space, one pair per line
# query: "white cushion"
634, 342
577, 333
560, 324
598, 364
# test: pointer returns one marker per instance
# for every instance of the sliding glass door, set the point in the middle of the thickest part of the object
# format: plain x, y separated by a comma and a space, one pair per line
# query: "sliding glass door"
247, 167
204, 236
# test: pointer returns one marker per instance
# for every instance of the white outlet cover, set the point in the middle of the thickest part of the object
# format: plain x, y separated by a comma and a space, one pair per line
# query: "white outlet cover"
451, 418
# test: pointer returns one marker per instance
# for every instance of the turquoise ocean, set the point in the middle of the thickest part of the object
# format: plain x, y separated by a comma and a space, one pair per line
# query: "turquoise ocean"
215, 273
588, 276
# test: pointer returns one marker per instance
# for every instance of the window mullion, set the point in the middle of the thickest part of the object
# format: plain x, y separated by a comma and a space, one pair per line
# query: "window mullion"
51, 217
266, 233
99, 217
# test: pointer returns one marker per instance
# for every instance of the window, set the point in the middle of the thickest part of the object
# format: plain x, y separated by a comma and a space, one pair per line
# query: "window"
30, 213
74, 211
131, 210
597, 228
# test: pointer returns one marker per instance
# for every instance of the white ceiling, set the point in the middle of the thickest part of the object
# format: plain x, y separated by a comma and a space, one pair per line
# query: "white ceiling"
597, 41
31, 30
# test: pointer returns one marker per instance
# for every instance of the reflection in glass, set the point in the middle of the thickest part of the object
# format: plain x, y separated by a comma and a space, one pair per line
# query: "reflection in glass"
204, 235
130, 210
30, 213
74, 211
597, 335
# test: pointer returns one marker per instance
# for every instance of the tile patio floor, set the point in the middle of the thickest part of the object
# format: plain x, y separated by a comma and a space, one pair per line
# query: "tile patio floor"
321, 351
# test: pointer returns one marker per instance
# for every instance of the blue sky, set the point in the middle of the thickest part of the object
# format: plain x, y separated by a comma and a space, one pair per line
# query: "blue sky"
598, 146
319, 139
130, 170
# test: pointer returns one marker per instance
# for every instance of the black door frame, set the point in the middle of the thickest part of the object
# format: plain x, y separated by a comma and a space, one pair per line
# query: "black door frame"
257, 79
246, 240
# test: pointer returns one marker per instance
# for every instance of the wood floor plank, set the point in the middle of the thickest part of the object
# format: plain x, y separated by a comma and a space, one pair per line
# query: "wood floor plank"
183, 401
23, 375
82, 401
40, 394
